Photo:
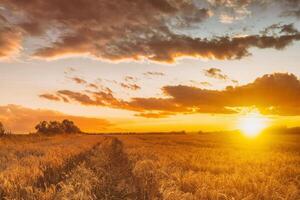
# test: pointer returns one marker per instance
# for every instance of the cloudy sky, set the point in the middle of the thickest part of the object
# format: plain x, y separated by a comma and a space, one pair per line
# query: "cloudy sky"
149, 65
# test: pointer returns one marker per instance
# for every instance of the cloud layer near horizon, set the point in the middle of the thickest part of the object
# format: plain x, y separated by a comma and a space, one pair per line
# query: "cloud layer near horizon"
275, 94
118, 30
19, 119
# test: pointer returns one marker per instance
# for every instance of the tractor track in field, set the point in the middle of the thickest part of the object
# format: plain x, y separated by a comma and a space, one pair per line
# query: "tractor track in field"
52, 176
111, 171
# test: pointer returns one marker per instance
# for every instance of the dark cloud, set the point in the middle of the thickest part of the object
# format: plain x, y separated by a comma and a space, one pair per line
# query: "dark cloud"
86, 30
280, 29
277, 94
103, 97
218, 74
272, 94
289, 29
79, 97
292, 8
20, 119
217, 48
231, 3
92, 85
141, 29
202, 83
162, 49
130, 86
130, 79
215, 73
151, 74
205, 83
69, 70
154, 104
2, 19
294, 12
79, 80
50, 97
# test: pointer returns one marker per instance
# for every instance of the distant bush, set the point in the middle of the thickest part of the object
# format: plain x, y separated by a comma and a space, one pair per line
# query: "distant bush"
55, 127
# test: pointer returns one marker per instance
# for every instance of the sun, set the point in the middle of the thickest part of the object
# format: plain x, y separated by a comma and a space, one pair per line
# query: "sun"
252, 124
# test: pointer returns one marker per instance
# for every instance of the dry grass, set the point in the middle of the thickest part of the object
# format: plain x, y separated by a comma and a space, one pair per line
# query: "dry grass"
145, 167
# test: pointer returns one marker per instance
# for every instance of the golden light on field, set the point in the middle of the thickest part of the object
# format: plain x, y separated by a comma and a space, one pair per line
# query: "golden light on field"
252, 124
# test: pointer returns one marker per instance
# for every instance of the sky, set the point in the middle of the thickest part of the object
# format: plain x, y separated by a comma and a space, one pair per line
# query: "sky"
149, 65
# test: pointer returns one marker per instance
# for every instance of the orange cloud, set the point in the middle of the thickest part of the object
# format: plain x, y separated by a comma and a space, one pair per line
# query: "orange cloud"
19, 119
273, 94
10, 42
154, 114
277, 94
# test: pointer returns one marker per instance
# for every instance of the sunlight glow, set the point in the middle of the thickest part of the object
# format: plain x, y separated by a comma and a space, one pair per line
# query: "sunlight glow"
252, 124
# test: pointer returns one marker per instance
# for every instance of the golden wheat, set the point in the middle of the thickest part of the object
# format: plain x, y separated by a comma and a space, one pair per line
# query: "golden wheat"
217, 166
148, 167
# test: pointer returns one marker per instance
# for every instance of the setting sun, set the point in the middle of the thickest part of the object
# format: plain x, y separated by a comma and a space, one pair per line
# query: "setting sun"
252, 124
149, 99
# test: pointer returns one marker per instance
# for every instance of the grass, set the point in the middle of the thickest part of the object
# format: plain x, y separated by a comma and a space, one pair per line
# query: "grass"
145, 167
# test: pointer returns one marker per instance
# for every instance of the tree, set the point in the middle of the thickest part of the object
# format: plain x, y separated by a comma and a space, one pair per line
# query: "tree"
2, 130
55, 127
42, 127
70, 127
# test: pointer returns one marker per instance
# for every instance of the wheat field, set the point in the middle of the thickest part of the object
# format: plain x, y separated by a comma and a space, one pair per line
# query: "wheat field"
213, 166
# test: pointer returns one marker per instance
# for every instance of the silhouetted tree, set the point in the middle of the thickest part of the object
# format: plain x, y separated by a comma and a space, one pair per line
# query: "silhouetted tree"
70, 127
2, 130
42, 127
55, 127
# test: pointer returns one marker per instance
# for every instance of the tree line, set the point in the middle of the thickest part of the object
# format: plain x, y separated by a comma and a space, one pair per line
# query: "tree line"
50, 128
